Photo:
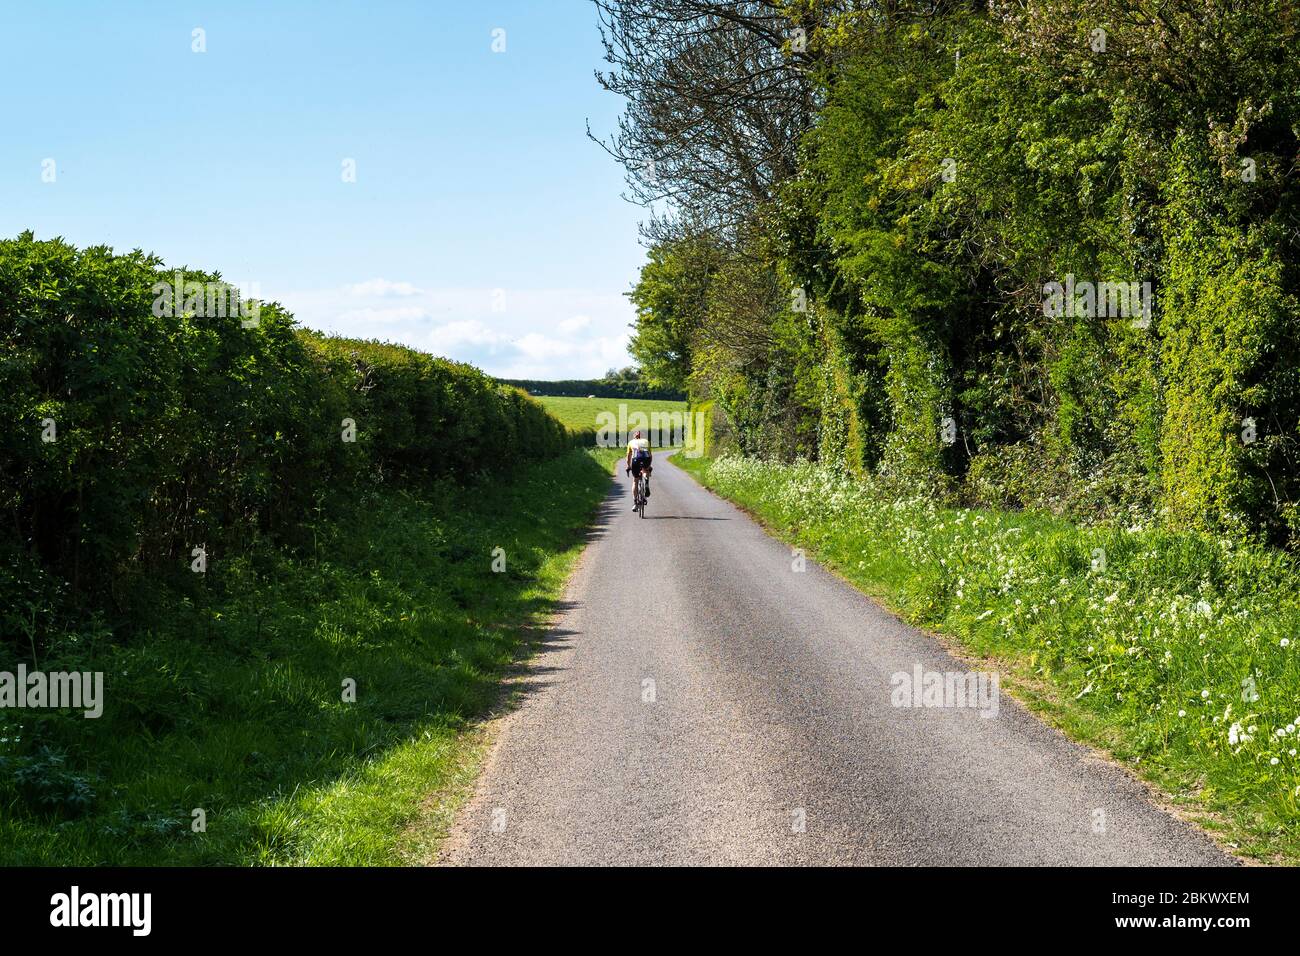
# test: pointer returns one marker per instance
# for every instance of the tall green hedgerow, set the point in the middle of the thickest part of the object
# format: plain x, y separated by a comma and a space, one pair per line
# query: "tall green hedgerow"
1229, 352
138, 430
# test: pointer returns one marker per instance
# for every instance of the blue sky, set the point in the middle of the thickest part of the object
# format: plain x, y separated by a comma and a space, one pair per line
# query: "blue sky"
483, 224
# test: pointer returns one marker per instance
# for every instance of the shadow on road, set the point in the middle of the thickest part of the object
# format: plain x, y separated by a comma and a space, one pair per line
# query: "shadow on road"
528, 673
683, 518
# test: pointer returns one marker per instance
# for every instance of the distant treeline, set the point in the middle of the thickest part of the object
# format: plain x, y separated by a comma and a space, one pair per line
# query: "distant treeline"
147, 429
602, 388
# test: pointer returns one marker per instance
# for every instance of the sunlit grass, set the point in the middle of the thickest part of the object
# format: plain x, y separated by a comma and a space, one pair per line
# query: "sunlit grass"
580, 413
237, 707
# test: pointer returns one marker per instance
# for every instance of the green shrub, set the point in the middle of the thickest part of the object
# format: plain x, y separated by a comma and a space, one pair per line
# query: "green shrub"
1229, 350
45, 785
141, 427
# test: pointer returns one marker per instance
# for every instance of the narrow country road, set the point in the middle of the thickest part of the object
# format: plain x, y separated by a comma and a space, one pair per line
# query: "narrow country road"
701, 702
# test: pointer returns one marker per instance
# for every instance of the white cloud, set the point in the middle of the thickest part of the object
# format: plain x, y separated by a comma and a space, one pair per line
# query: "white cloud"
382, 287
575, 324
538, 347
469, 324
537, 356
373, 316
444, 339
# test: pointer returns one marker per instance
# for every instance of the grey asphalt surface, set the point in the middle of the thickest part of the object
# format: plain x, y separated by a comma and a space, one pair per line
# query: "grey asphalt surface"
768, 735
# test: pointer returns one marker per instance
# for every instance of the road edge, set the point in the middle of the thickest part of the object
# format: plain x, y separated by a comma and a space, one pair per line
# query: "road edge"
1042, 707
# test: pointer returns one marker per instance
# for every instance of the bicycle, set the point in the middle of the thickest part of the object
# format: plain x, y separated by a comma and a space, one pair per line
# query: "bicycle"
638, 494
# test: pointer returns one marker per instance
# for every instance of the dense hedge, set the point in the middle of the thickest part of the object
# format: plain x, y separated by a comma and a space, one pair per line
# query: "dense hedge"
964, 159
132, 438
601, 388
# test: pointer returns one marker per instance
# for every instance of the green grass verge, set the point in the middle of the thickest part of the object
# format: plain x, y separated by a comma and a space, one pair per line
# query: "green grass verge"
233, 703
1174, 652
578, 413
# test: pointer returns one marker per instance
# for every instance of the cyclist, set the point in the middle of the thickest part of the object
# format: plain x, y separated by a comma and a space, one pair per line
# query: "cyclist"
639, 459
